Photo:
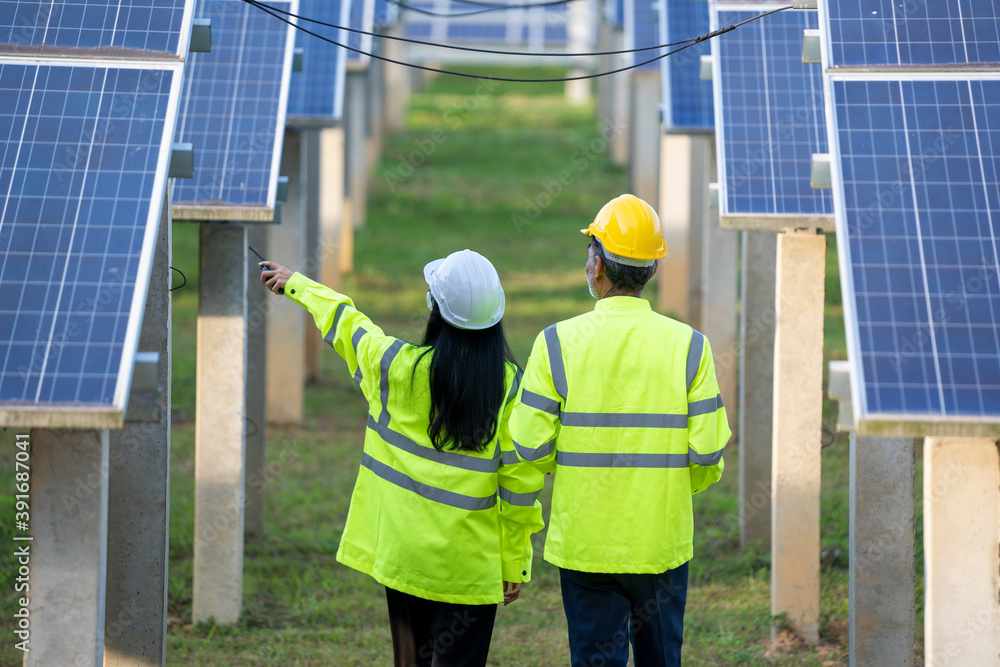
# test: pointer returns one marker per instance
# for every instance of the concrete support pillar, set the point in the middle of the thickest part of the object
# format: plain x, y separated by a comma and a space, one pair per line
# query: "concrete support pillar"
685, 172
396, 81
286, 364
258, 305
719, 317
135, 633
69, 547
355, 124
621, 103
604, 64
331, 207
644, 136
376, 112
757, 318
578, 22
882, 584
961, 558
311, 196
797, 428
220, 424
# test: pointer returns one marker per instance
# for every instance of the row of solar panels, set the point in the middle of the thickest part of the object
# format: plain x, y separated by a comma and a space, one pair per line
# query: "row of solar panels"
94, 94
907, 103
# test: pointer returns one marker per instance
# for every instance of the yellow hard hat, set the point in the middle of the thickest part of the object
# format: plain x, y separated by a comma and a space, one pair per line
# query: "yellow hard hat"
629, 231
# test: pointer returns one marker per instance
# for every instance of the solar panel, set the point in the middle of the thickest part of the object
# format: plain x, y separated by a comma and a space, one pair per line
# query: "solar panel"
85, 149
362, 18
916, 176
888, 32
147, 25
920, 161
642, 30
687, 100
533, 28
233, 113
770, 120
386, 13
316, 95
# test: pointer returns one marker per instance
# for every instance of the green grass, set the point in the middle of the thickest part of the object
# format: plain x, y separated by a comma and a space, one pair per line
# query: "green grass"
513, 172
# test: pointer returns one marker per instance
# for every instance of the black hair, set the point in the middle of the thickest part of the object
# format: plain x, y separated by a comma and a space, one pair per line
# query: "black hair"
467, 374
623, 276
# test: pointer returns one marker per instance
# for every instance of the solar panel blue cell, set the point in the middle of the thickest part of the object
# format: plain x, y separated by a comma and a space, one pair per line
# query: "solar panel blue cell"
687, 100
149, 25
920, 244
888, 32
317, 93
769, 116
362, 18
79, 209
642, 30
386, 13
233, 108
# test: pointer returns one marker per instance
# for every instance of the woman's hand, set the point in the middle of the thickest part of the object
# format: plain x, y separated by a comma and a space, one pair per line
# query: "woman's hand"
511, 592
275, 276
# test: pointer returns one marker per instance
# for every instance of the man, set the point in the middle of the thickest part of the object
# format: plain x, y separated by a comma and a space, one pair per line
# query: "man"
623, 406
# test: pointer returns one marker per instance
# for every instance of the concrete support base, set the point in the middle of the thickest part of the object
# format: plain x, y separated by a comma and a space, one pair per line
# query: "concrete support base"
797, 427
67, 555
961, 557
396, 80
286, 364
355, 142
882, 576
258, 304
621, 103
311, 196
719, 317
685, 172
135, 633
331, 206
644, 150
220, 429
756, 409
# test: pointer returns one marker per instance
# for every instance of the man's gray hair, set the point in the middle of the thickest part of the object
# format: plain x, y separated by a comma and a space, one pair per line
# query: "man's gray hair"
622, 276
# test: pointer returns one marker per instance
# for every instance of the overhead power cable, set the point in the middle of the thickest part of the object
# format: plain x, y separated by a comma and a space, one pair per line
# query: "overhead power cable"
701, 38
456, 47
474, 12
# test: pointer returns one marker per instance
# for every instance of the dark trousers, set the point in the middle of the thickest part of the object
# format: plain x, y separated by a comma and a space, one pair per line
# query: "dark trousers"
426, 633
605, 612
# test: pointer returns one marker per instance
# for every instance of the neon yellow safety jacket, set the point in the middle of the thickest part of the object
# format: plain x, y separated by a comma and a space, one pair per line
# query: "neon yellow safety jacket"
622, 404
442, 525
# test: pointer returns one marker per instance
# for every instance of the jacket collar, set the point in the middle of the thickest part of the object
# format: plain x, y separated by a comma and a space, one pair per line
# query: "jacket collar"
619, 302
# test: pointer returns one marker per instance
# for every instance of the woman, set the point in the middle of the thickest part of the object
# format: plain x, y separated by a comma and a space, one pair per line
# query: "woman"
443, 509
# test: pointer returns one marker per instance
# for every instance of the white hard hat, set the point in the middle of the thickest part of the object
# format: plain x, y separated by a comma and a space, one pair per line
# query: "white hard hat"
467, 290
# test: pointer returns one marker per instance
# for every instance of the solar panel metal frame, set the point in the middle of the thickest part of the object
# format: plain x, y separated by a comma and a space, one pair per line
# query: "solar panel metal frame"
184, 39
775, 222
87, 415
667, 92
634, 37
866, 422
336, 114
203, 212
366, 22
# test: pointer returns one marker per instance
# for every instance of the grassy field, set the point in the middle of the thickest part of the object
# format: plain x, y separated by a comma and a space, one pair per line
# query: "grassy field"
512, 171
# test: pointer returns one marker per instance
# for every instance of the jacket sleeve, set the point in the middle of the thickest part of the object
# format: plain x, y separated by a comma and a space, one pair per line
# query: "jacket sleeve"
535, 422
520, 510
349, 331
708, 426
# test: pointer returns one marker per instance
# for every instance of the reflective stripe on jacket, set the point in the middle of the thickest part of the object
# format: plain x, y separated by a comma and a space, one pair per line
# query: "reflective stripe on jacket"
442, 525
623, 405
